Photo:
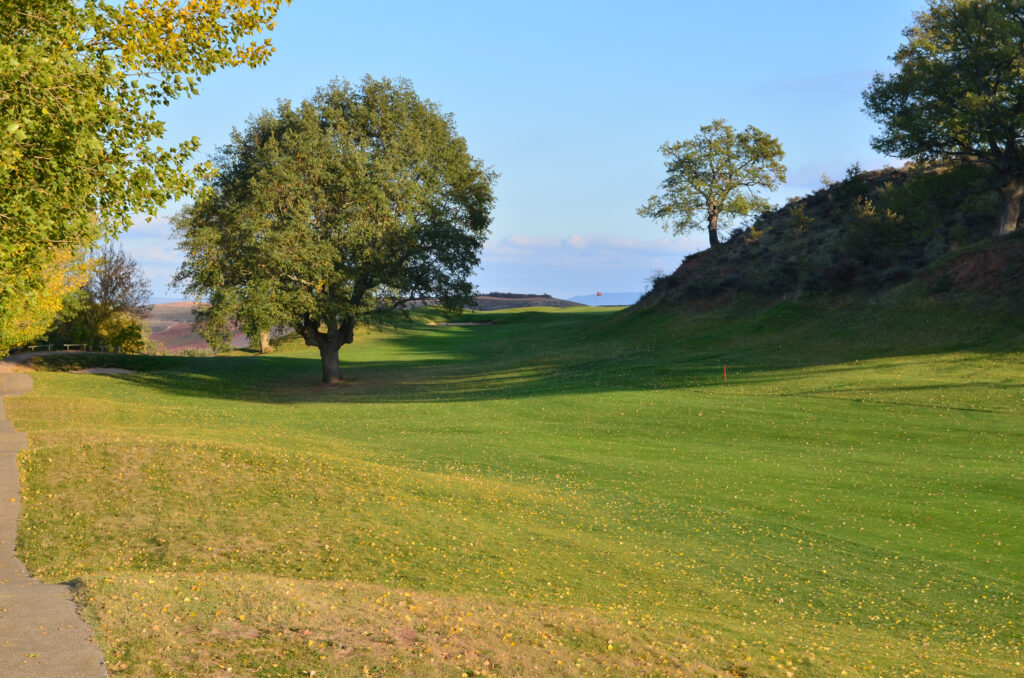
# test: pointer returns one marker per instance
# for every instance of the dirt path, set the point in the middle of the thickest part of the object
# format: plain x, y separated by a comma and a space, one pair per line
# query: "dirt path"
41, 634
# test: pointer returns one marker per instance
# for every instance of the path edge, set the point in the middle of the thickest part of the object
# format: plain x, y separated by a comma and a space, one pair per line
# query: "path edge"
42, 631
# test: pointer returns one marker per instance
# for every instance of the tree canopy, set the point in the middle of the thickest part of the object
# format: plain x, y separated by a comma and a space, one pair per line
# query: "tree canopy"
328, 214
958, 93
54, 274
117, 284
713, 177
81, 82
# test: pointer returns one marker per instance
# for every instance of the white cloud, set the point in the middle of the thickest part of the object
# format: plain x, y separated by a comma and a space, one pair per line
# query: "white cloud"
579, 262
517, 240
577, 242
587, 246
167, 255
152, 245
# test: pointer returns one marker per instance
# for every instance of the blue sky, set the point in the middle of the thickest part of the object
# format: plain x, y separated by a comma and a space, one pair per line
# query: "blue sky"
569, 102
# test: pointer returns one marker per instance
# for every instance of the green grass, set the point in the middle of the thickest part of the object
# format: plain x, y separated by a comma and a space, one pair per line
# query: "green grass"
572, 492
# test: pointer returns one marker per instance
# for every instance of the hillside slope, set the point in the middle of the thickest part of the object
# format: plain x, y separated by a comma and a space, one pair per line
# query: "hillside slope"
872, 232
170, 327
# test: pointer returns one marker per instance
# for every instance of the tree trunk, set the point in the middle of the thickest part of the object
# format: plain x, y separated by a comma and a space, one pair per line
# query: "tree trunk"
329, 361
265, 343
713, 229
330, 342
1010, 196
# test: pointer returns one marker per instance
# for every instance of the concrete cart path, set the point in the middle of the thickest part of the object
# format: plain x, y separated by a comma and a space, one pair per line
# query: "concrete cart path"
41, 634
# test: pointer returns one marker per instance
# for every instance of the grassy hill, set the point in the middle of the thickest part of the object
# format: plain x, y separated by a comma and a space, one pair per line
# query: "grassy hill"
560, 493
862, 237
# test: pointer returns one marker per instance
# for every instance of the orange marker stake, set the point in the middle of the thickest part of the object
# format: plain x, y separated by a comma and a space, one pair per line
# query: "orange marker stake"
725, 372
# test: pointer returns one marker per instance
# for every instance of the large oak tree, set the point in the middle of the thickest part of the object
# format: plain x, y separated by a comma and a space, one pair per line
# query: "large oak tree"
958, 93
327, 214
81, 84
714, 177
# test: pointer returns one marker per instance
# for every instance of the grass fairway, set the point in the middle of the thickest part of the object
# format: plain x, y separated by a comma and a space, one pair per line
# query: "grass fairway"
571, 492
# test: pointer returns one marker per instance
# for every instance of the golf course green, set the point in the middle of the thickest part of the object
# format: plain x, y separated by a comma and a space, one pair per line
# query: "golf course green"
567, 492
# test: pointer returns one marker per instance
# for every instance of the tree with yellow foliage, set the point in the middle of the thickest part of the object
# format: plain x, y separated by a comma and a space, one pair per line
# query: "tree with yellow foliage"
43, 287
81, 82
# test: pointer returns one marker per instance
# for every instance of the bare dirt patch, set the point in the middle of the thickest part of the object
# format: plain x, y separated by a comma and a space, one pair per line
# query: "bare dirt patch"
996, 270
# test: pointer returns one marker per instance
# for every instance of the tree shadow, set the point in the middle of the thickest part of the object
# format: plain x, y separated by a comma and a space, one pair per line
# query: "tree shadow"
532, 354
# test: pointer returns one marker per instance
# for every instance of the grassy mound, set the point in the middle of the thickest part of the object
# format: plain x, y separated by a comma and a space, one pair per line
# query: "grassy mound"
573, 492
862, 237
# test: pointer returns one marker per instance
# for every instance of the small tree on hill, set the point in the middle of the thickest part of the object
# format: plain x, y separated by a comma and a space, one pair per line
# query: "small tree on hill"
713, 177
958, 93
326, 215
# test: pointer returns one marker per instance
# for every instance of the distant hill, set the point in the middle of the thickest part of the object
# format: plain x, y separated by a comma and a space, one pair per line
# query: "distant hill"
496, 301
170, 326
607, 299
872, 232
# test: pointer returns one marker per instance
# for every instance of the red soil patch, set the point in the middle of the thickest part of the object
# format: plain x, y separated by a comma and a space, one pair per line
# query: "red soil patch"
994, 270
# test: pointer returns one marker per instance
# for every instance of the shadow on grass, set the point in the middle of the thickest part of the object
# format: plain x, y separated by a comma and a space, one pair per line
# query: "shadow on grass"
868, 396
538, 353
